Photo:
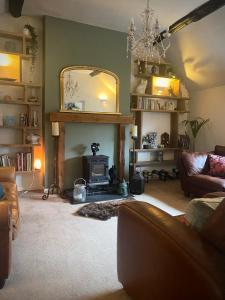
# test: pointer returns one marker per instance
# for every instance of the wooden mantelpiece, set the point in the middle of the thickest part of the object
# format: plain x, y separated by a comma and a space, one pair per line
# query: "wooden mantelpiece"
63, 117
91, 118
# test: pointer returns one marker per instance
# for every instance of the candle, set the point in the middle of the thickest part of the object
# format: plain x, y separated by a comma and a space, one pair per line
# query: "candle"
134, 131
55, 128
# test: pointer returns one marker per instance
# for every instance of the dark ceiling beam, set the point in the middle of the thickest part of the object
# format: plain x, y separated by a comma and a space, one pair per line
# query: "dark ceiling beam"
15, 7
197, 14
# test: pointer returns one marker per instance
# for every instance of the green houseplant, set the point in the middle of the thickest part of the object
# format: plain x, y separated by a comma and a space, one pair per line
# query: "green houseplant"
33, 46
195, 125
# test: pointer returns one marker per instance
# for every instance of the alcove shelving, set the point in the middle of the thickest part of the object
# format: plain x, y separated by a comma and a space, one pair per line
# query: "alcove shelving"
167, 101
20, 104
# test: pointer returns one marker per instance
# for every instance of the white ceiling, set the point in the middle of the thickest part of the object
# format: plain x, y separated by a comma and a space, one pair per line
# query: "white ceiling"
113, 14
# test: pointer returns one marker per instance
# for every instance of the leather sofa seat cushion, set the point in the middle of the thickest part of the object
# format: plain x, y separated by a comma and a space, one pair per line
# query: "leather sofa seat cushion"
214, 229
10, 197
195, 162
204, 181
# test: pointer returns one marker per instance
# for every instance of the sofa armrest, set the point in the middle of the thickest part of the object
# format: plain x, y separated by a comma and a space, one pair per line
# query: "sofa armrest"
5, 240
160, 257
7, 174
4, 216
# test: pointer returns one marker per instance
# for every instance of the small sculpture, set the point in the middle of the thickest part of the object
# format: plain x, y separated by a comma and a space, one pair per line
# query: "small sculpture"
165, 139
112, 175
142, 86
95, 148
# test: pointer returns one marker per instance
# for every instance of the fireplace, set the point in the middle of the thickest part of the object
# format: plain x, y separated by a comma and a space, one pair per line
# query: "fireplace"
95, 170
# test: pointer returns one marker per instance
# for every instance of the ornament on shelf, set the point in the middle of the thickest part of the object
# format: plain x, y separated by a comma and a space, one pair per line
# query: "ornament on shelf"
33, 138
165, 139
140, 89
150, 140
183, 91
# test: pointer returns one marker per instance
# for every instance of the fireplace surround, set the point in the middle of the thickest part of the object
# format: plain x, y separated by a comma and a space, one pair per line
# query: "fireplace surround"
120, 121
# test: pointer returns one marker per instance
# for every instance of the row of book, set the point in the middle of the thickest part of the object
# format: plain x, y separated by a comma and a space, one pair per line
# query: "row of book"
22, 161
146, 103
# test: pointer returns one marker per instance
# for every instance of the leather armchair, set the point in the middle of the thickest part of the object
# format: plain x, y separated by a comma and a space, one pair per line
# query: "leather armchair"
160, 258
9, 220
194, 176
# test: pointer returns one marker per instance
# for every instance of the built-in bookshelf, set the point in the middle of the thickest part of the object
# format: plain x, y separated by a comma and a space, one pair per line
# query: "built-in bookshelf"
20, 104
158, 101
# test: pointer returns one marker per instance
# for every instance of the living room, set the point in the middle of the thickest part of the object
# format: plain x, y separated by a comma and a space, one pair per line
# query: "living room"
161, 192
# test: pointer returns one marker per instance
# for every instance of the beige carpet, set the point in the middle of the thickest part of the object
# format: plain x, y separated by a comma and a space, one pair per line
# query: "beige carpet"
59, 256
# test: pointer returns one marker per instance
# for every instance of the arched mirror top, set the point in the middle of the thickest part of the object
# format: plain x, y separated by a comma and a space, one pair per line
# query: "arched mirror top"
89, 90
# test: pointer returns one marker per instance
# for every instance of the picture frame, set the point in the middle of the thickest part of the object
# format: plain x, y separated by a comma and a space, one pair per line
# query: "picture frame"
86, 89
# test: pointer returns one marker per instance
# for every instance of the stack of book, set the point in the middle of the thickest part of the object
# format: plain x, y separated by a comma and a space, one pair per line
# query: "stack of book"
22, 162
6, 161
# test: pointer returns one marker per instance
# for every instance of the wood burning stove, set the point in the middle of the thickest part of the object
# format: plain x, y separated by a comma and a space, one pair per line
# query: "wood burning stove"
95, 170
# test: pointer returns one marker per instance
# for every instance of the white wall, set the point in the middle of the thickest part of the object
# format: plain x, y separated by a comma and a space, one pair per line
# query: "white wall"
11, 24
198, 56
210, 103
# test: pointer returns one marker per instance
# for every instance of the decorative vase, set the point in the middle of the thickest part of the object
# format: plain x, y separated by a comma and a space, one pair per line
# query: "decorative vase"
26, 31
33, 138
137, 184
122, 189
79, 190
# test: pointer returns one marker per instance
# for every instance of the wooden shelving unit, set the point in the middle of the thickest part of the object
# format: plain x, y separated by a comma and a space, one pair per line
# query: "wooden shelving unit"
155, 150
152, 163
142, 103
25, 103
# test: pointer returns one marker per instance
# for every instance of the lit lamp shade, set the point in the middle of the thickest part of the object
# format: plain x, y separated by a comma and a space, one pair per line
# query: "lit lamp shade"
37, 164
163, 86
10, 66
103, 97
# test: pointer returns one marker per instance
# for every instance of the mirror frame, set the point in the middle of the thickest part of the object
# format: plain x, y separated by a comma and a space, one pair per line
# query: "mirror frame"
70, 68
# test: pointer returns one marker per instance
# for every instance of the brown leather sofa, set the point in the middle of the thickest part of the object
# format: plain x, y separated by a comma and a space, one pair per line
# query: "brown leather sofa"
9, 220
194, 177
162, 259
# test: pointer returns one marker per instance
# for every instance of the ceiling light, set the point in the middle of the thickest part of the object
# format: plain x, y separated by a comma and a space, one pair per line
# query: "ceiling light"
148, 46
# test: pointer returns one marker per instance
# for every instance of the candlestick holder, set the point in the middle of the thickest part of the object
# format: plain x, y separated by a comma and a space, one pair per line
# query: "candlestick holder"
134, 138
54, 187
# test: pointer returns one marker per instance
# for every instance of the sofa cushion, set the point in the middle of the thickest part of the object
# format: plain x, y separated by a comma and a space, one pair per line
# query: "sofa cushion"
214, 229
195, 162
217, 165
199, 210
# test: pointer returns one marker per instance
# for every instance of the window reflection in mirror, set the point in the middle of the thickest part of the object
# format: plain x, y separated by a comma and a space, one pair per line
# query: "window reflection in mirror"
89, 89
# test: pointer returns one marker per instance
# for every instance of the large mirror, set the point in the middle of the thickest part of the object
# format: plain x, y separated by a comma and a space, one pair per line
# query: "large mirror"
89, 90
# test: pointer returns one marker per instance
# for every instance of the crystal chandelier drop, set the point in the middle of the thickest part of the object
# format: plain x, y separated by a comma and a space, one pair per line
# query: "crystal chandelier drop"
150, 45
70, 86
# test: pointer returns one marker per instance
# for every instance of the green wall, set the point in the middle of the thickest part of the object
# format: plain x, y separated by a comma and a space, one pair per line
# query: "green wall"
69, 43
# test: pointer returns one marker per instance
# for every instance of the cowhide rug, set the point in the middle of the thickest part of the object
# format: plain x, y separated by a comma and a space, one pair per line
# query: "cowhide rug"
101, 211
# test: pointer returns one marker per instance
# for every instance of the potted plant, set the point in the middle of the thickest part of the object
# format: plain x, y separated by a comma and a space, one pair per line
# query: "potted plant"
195, 125
33, 47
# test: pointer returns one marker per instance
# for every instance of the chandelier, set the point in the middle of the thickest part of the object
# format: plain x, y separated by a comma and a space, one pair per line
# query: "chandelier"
150, 45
